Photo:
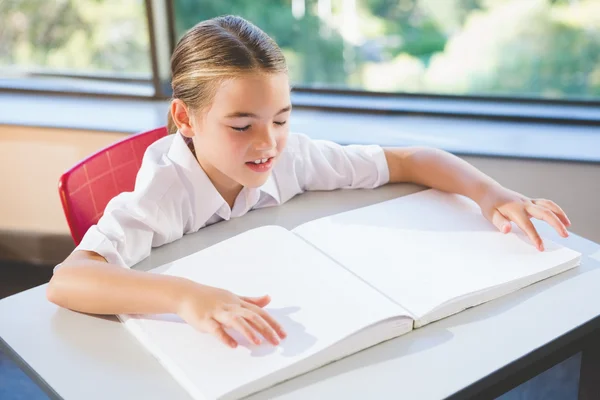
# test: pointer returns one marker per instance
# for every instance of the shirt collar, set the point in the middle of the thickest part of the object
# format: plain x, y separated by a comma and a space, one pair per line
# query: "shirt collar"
207, 199
270, 188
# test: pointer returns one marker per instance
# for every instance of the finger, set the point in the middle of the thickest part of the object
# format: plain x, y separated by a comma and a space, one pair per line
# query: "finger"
545, 214
261, 301
217, 330
500, 222
555, 209
265, 324
262, 326
269, 318
526, 226
237, 322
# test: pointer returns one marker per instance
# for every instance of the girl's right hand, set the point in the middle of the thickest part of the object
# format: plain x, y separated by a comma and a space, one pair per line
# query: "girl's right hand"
211, 310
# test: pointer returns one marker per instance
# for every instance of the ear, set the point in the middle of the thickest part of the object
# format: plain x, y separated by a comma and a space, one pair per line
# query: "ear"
182, 117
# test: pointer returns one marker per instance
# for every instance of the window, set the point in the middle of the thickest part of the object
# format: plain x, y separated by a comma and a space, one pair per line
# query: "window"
341, 53
543, 49
99, 40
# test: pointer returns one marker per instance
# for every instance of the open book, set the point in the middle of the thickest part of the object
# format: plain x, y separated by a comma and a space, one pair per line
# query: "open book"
343, 283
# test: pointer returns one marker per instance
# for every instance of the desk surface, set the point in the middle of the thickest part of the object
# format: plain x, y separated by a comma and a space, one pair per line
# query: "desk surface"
76, 356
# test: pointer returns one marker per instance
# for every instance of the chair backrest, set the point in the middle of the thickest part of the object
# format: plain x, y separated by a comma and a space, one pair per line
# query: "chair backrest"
87, 187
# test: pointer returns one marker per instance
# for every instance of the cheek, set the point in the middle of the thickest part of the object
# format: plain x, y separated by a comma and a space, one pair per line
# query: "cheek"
234, 145
282, 140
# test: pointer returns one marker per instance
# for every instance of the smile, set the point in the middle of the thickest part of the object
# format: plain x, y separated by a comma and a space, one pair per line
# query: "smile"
260, 165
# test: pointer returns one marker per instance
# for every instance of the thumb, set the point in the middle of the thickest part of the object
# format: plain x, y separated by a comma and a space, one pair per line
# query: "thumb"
500, 222
257, 301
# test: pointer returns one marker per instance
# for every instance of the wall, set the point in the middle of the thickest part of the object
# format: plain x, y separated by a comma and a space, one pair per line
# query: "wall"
32, 224
33, 228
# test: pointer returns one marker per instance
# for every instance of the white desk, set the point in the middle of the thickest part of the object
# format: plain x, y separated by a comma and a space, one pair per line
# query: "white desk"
75, 356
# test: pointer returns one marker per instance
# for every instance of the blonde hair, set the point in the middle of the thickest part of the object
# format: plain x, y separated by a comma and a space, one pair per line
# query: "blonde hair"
215, 50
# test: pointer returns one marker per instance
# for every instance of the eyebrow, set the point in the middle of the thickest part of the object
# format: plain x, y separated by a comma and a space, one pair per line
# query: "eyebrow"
241, 114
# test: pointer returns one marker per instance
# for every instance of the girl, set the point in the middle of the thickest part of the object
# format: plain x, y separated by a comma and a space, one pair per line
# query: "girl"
230, 152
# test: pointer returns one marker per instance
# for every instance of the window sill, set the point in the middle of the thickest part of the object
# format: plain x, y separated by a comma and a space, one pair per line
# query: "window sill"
458, 134
499, 108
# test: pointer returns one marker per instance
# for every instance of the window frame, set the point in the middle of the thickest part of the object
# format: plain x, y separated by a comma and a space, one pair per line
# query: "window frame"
160, 18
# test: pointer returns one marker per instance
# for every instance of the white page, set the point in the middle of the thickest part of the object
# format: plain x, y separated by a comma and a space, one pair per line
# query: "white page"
428, 248
317, 302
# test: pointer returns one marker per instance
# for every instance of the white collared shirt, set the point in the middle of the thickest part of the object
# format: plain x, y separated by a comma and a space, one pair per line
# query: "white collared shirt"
173, 196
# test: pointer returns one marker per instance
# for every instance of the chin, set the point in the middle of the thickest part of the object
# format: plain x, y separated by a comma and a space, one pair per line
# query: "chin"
256, 181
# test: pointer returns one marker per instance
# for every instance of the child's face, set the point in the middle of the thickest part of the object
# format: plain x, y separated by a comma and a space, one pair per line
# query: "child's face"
246, 122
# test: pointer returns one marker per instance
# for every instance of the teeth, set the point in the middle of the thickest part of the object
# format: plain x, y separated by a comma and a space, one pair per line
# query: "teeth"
264, 160
257, 162
261, 161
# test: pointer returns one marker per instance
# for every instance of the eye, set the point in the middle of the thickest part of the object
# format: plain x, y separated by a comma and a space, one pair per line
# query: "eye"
242, 129
282, 123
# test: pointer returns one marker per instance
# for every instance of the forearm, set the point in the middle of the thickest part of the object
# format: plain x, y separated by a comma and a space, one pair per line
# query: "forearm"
98, 288
437, 169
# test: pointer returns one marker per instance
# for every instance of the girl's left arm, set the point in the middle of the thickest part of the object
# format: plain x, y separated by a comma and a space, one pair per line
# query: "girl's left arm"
443, 171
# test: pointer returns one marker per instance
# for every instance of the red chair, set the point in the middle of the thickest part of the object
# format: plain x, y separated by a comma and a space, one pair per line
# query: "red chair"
86, 188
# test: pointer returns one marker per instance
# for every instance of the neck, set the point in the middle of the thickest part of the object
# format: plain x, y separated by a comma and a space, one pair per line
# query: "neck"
229, 194
227, 187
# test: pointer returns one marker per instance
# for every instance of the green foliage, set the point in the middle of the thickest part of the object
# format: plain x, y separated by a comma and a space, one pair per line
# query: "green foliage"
534, 48
316, 56
91, 36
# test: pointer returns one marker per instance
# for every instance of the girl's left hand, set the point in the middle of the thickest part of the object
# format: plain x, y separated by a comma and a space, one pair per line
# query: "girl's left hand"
501, 206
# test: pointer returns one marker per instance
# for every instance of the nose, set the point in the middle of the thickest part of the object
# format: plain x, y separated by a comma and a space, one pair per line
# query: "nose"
265, 140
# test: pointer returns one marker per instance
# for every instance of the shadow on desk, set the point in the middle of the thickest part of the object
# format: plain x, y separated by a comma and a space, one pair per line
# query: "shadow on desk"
413, 347
423, 339
409, 345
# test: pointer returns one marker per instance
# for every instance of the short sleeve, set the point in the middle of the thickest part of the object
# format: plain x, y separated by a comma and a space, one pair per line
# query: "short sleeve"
125, 233
156, 213
326, 165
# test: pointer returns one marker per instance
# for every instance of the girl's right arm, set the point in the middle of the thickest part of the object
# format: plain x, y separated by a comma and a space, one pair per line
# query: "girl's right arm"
85, 282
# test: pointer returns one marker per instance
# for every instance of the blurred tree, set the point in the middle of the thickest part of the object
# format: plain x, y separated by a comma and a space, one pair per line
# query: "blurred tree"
90, 35
530, 48
409, 20
541, 48
315, 56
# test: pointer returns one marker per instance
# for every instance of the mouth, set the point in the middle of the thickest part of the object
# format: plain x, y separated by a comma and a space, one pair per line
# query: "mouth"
261, 164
